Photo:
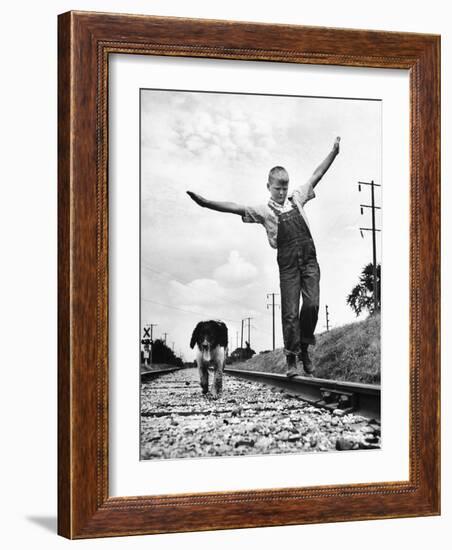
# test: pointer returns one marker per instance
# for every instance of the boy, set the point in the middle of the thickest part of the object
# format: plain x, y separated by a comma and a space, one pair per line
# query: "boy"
288, 231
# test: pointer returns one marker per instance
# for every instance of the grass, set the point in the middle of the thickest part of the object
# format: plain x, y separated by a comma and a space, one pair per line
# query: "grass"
350, 353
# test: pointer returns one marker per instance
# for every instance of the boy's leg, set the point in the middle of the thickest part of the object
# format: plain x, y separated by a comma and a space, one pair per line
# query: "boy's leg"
291, 362
310, 291
290, 284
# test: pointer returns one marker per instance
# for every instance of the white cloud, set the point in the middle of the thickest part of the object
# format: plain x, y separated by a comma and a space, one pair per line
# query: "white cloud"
200, 292
236, 271
195, 143
235, 112
209, 127
227, 294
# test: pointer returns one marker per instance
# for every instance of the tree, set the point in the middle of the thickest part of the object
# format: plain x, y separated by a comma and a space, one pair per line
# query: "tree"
361, 297
241, 354
161, 353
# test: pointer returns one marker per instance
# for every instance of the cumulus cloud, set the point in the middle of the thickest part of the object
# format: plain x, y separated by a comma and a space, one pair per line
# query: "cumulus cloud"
210, 131
212, 127
199, 292
222, 296
236, 271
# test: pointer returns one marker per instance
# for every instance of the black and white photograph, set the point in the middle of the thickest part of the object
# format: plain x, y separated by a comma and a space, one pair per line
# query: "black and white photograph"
260, 274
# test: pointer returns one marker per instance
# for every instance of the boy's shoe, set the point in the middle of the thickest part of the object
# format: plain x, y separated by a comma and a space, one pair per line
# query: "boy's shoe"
306, 360
291, 372
291, 366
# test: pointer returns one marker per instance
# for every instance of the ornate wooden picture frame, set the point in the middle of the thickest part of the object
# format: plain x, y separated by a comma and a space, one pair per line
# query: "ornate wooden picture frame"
86, 40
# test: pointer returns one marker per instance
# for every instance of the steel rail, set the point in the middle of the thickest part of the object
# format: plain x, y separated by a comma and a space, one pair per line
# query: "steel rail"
149, 374
362, 399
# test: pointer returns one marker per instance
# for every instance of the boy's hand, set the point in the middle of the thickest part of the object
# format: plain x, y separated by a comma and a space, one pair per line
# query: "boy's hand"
319, 172
197, 198
219, 206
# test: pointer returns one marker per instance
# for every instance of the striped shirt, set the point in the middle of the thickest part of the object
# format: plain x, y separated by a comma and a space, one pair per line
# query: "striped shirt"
268, 214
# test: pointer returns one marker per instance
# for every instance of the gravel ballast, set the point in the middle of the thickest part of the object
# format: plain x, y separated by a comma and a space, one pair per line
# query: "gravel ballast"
250, 418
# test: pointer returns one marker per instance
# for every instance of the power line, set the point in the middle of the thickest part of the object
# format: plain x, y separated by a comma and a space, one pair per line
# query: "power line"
196, 313
167, 276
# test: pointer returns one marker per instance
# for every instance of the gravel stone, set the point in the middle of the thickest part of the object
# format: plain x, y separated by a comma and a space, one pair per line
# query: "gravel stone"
178, 421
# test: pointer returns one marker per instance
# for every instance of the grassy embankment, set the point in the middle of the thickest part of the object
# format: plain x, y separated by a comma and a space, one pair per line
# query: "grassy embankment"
350, 352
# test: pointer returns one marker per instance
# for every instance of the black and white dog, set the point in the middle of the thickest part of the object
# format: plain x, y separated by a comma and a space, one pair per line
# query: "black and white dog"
211, 341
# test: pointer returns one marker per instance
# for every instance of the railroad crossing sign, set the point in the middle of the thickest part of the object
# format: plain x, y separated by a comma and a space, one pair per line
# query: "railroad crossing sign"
146, 343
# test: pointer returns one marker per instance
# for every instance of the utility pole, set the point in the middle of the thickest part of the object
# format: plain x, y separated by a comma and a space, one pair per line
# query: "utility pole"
241, 341
273, 305
149, 327
374, 242
165, 334
327, 319
249, 329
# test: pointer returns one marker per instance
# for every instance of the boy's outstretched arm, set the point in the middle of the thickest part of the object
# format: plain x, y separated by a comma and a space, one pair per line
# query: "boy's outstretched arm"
230, 207
323, 166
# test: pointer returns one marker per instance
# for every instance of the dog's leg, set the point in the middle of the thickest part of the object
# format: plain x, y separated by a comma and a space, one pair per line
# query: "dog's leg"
203, 375
218, 375
218, 381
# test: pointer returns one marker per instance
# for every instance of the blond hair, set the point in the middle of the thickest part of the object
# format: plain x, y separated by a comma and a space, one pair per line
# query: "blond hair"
279, 174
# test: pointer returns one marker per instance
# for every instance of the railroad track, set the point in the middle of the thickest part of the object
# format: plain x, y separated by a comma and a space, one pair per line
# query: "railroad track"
250, 418
362, 399
148, 373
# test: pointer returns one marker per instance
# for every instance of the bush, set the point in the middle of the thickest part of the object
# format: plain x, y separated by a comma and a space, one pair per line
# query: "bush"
350, 353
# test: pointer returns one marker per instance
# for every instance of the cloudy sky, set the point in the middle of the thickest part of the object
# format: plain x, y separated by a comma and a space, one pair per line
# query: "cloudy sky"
198, 264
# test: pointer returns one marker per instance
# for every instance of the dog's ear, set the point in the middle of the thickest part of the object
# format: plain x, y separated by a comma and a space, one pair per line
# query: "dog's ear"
222, 335
194, 336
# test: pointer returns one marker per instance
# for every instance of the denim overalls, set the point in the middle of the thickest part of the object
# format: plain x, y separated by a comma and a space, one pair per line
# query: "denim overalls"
299, 272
